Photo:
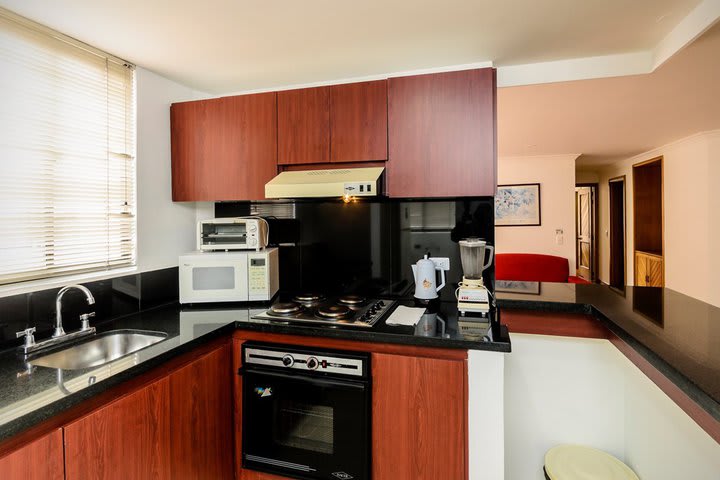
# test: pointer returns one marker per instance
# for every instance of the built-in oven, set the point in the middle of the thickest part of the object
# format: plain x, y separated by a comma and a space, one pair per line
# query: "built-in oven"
305, 412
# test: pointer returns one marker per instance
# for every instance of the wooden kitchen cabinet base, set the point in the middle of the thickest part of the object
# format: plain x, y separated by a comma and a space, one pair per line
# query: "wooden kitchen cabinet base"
200, 437
419, 419
126, 439
41, 459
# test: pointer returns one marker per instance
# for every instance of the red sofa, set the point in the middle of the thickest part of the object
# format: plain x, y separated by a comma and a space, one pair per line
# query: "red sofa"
533, 267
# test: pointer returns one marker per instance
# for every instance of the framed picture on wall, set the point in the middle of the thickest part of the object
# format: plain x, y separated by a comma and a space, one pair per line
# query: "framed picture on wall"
517, 205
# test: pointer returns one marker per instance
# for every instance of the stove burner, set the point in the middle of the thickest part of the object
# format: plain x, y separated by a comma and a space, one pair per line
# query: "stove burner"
352, 300
288, 308
308, 298
333, 311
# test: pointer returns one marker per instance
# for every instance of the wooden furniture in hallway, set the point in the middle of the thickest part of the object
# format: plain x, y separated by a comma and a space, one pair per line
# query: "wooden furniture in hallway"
648, 223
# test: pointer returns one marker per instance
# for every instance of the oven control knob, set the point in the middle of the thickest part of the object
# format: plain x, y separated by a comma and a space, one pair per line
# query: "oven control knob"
252, 241
288, 361
252, 227
312, 363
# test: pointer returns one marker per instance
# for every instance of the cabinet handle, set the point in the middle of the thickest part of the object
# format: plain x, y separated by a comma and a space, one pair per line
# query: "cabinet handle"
647, 278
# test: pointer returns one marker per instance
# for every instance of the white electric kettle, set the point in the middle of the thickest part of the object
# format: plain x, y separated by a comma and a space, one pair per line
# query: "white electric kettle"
426, 287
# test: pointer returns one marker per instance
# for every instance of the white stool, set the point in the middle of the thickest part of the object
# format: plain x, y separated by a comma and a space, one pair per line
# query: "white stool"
576, 462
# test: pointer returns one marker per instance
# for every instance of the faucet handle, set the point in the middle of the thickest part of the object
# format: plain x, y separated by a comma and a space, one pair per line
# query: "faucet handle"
28, 334
85, 320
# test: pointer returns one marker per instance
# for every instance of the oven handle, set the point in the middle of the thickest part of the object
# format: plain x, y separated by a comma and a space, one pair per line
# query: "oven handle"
325, 381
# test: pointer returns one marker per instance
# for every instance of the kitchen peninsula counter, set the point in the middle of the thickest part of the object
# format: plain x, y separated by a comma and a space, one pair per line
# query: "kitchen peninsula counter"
673, 338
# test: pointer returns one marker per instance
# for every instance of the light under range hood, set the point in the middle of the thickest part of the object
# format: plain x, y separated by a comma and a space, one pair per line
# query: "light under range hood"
345, 182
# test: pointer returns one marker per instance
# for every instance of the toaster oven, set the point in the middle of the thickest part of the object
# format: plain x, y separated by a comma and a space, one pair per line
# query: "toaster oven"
241, 233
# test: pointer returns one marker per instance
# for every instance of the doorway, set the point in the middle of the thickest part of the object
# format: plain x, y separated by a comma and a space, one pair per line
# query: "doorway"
585, 229
616, 188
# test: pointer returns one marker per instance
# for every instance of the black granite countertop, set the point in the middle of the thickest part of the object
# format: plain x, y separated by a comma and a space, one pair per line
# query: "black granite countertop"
679, 335
30, 395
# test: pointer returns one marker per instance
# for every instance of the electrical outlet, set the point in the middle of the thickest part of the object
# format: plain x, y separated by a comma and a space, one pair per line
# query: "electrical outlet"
443, 263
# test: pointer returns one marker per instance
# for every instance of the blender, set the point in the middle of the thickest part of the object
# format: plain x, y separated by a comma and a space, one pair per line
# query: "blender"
472, 295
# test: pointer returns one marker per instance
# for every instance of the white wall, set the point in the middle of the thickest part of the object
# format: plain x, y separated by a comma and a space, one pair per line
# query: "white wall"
165, 229
556, 175
560, 390
486, 443
574, 390
692, 215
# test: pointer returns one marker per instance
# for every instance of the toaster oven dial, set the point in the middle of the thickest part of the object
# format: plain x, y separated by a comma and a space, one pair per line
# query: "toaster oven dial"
288, 361
312, 363
252, 241
252, 227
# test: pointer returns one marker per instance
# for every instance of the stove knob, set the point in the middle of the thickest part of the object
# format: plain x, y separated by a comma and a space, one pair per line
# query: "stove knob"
381, 303
312, 363
288, 361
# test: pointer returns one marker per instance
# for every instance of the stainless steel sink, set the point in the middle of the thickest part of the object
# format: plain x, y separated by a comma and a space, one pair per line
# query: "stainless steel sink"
100, 349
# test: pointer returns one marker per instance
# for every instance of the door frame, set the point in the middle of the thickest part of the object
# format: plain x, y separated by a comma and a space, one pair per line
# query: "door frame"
623, 179
594, 197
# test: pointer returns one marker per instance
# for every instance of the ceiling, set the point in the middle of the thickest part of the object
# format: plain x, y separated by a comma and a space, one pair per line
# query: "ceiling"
608, 119
223, 46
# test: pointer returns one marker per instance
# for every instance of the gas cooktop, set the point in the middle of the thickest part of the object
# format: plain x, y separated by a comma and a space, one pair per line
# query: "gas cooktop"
343, 310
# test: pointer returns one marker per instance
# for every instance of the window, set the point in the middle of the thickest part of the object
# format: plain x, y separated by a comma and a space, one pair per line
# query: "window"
67, 155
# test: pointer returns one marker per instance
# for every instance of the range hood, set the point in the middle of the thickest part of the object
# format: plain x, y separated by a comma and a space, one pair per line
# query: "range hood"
356, 182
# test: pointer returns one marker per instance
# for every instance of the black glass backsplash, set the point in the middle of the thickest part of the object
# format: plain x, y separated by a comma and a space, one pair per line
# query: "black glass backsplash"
114, 297
368, 246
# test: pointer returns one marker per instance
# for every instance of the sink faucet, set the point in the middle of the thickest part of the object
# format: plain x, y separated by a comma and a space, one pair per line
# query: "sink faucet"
59, 332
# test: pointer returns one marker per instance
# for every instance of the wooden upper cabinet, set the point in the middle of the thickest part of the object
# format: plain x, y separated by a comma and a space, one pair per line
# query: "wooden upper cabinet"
129, 438
419, 418
441, 135
358, 122
41, 459
224, 148
303, 126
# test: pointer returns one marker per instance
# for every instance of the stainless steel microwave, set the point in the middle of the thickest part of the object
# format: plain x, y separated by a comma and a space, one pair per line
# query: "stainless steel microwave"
228, 276
241, 233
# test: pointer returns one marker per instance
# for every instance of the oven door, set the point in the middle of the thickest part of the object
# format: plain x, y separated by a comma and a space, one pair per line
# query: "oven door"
304, 426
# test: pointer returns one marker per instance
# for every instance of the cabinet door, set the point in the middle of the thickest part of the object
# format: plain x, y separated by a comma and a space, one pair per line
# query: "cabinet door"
419, 418
654, 271
201, 434
358, 122
641, 278
128, 438
303, 126
441, 135
223, 149
40, 460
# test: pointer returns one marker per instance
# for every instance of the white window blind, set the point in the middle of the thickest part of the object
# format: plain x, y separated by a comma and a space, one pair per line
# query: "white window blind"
67, 155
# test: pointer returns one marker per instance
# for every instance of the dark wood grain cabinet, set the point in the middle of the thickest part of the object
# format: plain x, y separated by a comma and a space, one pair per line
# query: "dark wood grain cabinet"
303, 126
128, 438
358, 122
224, 148
41, 459
336, 124
441, 135
177, 427
419, 418
201, 435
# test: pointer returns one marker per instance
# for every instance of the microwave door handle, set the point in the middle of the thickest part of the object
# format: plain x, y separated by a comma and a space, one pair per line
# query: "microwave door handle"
321, 381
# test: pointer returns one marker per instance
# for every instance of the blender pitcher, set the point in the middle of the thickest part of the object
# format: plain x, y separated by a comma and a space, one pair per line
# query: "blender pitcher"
472, 257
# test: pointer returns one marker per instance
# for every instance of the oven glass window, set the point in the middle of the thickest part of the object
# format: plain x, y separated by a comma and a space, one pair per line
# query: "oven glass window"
213, 278
304, 426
